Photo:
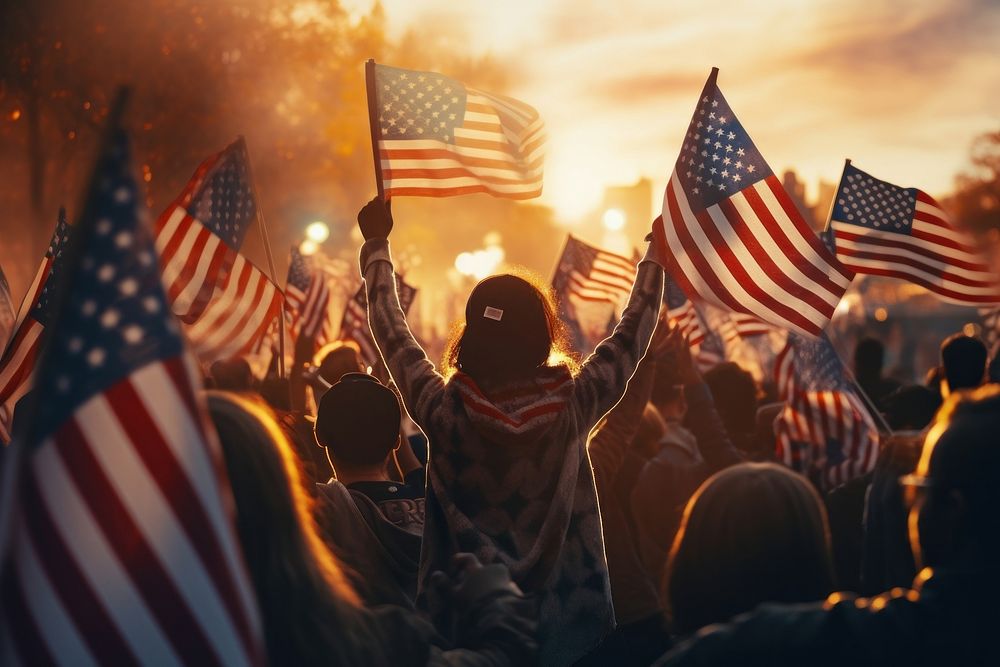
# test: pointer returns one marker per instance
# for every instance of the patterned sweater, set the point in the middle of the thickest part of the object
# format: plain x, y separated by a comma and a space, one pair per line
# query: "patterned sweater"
509, 478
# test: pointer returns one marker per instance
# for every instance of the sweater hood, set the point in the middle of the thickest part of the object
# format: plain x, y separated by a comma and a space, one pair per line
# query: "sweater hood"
519, 412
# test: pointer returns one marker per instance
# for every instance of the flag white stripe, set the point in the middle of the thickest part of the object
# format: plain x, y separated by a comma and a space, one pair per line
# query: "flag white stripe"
907, 246
157, 522
213, 247
167, 409
530, 186
465, 151
937, 279
770, 246
718, 266
85, 540
58, 631
796, 239
456, 163
175, 262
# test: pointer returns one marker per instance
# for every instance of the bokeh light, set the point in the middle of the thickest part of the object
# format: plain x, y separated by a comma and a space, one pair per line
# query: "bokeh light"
317, 231
613, 219
308, 247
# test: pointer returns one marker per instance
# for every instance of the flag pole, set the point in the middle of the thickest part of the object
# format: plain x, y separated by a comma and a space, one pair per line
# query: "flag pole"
869, 403
373, 124
833, 202
270, 259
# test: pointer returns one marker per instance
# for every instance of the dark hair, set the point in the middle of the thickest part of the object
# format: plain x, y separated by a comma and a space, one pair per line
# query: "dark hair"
339, 358
911, 408
735, 395
511, 328
964, 361
232, 374
753, 533
965, 457
358, 421
869, 356
309, 610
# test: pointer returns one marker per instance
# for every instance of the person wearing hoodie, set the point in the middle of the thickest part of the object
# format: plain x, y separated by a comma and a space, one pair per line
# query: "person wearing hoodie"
373, 523
509, 479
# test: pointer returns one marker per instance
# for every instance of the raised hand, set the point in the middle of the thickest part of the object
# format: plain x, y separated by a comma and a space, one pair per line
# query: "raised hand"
375, 219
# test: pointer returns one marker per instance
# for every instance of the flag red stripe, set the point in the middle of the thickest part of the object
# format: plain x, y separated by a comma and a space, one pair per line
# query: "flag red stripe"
176, 487
73, 587
147, 574
761, 256
23, 631
898, 261
735, 267
463, 190
390, 154
808, 234
813, 272
448, 172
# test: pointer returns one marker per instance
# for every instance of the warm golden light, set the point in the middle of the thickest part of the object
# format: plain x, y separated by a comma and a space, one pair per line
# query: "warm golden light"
308, 247
613, 219
881, 314
318, 231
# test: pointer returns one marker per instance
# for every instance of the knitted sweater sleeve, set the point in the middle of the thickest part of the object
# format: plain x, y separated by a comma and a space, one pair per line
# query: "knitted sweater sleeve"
420, 385
602, 379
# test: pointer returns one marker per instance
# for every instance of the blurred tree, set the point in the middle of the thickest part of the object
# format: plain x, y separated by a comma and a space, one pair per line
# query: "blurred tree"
977, 198
287, 74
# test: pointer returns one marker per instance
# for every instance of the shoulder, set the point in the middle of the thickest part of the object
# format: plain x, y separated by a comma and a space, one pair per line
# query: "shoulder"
774, 635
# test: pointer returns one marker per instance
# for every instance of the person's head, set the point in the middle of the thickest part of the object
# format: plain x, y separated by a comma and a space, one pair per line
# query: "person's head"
753, 533
735, 395
652, 428
357, 422
232, 374
869, 357
910, 408
511, 329
668, 397
964, 361
274, 391
954, 494
337, 359
306, 603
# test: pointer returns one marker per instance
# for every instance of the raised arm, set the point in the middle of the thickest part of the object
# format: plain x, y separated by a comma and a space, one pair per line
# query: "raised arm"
420, 385
612, 438
604, 374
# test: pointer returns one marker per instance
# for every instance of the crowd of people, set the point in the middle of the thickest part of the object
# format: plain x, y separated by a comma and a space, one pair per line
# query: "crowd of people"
518, 505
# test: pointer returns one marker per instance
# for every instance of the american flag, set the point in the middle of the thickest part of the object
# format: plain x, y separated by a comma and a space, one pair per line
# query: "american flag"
18, 361
225, 302
354, 325
886, 230
706, 346
991, 327
307, 298
7, 314
732, 237
824, 431
122, 548
591, 284
438, 138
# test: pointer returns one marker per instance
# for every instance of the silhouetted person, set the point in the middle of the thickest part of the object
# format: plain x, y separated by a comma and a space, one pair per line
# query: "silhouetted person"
508, 476
964, 361
232, 374
753, 533
869, 359
734, 394
309, 613
911, 408
950, 615
372, 522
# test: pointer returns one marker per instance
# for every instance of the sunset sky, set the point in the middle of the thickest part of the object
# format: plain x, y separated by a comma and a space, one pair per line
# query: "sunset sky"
901, 87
